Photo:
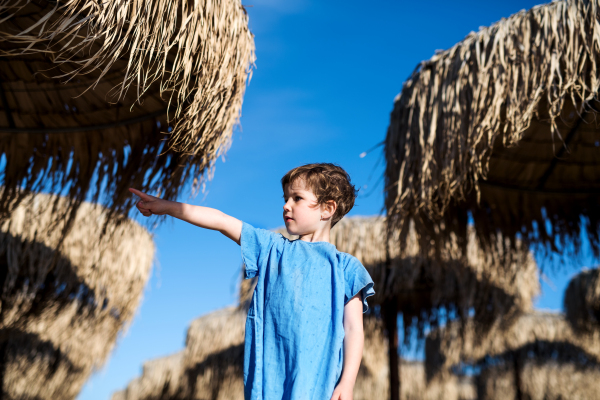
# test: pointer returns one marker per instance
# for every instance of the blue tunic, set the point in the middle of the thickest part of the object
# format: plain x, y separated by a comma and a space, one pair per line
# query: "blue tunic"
294, 330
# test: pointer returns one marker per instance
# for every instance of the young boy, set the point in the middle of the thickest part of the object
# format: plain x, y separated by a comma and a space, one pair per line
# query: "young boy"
304, 333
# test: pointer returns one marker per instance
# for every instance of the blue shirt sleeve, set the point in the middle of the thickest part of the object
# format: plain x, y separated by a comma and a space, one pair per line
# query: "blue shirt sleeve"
357, 280
256, 245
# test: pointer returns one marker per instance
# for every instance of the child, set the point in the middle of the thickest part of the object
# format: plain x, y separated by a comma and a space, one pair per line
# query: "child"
304, 333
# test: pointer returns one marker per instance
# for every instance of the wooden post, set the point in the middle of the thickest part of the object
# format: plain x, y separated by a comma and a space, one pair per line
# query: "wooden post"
517, 375
390, 320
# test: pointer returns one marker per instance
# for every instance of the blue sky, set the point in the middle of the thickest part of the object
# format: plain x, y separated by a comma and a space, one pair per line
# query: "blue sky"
325, 79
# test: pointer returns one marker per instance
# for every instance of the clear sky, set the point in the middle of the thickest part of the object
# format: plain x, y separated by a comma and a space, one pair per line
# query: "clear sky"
326, 76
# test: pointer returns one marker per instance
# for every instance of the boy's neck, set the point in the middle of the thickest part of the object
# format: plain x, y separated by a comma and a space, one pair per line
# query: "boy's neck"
321, 235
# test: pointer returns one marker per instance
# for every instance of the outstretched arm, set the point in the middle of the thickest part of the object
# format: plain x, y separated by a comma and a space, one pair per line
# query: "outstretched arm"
204, 217
353, 348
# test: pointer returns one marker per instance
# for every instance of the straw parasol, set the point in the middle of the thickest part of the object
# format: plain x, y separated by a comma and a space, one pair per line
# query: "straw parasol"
210, 366
582, 301
549, 381
214, 355
501, 129
63, 305
373, 380
100, 96
162, 378
416, 387
541, 335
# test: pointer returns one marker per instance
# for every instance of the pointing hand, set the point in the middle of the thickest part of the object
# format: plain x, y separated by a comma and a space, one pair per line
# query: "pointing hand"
149, 205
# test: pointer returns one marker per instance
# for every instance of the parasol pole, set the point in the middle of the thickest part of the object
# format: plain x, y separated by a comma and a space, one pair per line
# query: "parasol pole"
390, 318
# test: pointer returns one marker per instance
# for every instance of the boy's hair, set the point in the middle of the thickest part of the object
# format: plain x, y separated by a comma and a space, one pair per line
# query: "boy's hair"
328, 182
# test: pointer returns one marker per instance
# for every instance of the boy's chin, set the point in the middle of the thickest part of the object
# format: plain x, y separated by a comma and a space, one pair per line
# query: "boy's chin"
291, 231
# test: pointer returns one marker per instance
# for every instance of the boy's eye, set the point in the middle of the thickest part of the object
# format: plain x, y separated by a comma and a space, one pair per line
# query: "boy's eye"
297, 198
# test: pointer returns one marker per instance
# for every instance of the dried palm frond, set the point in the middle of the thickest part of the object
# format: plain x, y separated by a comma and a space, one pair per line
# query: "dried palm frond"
101, 96
582, 301
501, 129
63, 302
494, 284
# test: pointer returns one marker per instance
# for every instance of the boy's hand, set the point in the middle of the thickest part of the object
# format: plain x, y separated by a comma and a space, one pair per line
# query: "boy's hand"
149, 205
342, 392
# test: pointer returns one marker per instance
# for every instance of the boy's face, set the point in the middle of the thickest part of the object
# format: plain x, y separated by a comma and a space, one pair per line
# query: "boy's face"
301, 211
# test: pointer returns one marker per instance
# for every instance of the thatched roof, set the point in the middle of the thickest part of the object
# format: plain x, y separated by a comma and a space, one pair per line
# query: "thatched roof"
582, 301
373, 381
545, 336
101, 96
214, 332
549, 381
62, 306
214, 355
495, 284
501, 129
217, 372
414, 385
210, 366
162, 378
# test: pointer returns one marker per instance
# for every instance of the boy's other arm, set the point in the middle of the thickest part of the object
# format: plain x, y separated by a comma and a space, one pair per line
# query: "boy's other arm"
204, 217
353, 348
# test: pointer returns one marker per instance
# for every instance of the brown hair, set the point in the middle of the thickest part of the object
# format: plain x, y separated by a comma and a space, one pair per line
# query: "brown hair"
328, 182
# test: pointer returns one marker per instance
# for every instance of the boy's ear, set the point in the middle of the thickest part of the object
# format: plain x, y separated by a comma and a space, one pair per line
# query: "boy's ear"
329, 208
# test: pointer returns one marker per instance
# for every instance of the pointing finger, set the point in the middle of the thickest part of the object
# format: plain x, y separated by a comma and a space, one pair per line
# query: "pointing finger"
141, 194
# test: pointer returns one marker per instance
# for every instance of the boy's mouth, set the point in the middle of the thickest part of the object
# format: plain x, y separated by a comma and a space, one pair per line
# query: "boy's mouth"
286, 219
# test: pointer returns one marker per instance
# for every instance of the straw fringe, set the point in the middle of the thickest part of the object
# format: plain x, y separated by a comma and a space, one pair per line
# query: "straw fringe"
582, 301
63, 303
451, 147
81, 65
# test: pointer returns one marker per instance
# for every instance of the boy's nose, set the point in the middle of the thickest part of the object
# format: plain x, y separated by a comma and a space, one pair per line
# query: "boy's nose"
286, 207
